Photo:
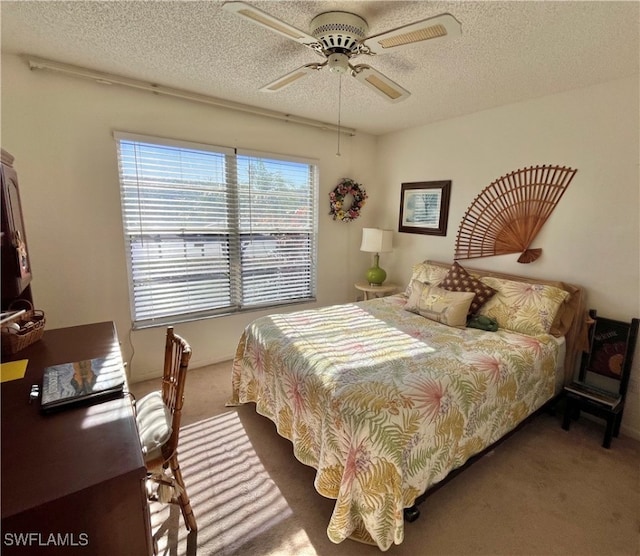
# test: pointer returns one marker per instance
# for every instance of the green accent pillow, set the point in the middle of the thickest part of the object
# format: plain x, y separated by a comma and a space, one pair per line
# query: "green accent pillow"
483, 323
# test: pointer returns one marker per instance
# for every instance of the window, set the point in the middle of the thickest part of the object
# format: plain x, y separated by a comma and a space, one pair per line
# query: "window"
210, 230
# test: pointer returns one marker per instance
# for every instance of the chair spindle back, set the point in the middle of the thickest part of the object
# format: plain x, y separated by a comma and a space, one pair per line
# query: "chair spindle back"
176, 363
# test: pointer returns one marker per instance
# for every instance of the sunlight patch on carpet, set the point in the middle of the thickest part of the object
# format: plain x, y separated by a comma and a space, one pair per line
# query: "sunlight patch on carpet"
232, 495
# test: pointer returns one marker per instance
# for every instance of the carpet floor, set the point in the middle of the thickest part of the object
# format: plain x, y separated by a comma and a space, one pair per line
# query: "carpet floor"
543, 491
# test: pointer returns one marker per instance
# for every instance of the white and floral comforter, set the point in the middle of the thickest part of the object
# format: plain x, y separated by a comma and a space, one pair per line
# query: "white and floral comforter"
383, 403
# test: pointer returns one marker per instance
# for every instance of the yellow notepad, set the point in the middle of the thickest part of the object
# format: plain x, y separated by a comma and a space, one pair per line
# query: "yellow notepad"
12, 370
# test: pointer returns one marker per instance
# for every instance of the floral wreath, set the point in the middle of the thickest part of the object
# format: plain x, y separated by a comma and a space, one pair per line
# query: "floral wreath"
336, 200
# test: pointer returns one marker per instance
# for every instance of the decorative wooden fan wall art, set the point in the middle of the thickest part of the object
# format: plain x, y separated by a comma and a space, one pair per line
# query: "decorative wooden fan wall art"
508, 214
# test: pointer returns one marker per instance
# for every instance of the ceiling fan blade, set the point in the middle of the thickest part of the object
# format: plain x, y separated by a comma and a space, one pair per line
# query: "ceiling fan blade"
444, 25
379, 83
269, 22
291, 77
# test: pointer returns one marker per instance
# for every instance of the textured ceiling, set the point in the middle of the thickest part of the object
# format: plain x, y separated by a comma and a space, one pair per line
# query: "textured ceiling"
508, 52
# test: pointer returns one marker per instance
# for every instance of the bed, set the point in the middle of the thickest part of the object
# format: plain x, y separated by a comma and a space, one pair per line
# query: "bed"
384, 398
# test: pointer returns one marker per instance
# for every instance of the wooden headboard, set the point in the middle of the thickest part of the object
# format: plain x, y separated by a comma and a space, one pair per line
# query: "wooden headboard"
570, 321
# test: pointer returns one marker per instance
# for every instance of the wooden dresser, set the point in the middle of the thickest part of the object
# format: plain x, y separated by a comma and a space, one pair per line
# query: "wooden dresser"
72, 481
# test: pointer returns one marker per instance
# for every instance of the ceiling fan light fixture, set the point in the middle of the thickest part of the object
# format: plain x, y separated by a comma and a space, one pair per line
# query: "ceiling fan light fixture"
338, 63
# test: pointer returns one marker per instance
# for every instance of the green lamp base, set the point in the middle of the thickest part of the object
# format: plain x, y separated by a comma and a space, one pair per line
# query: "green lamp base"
376, 276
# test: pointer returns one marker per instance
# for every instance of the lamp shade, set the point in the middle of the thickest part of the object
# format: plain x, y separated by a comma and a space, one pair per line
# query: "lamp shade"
375, 240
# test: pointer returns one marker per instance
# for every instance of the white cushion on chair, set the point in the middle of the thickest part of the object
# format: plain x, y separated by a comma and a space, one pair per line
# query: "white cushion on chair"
154, 423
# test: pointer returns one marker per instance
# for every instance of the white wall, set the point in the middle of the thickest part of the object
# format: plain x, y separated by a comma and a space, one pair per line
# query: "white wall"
60, 131
593, 236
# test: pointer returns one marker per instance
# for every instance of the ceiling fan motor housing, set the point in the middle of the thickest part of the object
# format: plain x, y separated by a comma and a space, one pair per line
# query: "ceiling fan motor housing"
339, 32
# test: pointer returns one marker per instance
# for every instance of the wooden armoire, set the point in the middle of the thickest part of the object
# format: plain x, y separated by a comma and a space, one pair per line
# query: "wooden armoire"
16, 267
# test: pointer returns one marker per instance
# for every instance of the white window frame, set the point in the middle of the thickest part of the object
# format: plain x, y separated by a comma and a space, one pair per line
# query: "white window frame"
284, 247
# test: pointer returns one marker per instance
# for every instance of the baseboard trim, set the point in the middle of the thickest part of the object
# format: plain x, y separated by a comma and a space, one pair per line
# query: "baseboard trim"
192, 366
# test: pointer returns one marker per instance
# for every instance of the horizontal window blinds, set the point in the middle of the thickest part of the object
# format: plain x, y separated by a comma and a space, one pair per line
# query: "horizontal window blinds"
276, 225
208, 231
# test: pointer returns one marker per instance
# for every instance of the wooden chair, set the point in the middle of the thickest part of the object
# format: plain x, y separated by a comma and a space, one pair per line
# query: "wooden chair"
158, 418
604, 373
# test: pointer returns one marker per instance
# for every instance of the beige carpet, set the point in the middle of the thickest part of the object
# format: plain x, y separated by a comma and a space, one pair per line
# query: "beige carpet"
544, 491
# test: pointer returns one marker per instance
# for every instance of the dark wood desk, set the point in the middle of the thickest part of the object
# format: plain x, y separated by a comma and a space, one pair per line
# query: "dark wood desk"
78, 474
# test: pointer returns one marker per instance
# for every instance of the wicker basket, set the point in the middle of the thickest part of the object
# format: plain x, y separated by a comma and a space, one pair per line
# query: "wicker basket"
31, 324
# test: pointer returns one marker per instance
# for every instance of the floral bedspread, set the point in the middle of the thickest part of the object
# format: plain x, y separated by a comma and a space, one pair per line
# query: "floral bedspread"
384, 403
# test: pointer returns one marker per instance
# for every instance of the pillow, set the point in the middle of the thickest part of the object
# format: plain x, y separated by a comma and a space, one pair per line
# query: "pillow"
459, 280
567, 311
523, 307
426, 273
154, 423
438, 304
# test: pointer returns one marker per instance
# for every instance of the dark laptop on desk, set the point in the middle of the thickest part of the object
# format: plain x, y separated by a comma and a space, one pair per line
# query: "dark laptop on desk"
84, 382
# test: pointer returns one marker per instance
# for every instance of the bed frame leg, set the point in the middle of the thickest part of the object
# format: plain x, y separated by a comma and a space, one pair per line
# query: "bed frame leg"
411, 514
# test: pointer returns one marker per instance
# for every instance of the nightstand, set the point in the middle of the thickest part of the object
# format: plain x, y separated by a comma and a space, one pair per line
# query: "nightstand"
371, 292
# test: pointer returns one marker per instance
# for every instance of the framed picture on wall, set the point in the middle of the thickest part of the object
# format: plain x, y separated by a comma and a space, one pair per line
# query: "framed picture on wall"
424, 207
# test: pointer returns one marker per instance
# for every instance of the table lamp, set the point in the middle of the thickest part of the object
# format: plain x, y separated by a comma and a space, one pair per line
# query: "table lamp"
376, 241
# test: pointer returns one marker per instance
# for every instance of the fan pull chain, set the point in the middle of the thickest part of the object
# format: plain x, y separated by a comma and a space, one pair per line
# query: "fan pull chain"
339, 110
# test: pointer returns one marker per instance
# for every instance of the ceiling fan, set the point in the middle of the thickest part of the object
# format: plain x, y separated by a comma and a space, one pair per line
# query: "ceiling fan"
340, 36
